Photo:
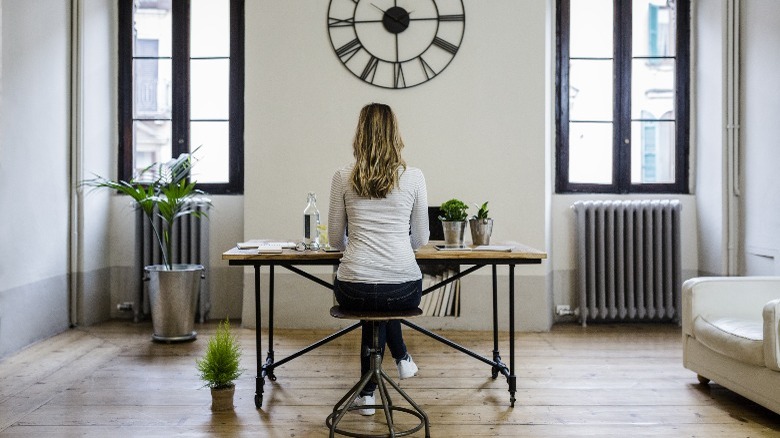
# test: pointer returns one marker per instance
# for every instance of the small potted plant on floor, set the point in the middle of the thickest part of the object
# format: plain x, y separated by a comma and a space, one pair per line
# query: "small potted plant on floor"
163, 191
481, 226
219, 367
453, 221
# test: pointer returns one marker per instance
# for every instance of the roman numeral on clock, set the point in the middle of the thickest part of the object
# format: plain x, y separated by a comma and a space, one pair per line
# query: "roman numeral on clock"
445, 45
427, 69
460, 17
348, 50
399, 81
341, 22
370, 70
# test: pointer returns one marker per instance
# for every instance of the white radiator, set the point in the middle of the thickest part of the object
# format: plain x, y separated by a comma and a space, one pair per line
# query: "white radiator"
190, 245
628, 256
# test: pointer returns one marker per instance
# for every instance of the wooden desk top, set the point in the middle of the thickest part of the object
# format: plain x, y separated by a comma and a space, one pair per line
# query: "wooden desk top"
428, 253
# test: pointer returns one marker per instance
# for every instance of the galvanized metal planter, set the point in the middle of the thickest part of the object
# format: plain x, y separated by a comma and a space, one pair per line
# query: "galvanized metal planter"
454, 232
173, 297
481, 229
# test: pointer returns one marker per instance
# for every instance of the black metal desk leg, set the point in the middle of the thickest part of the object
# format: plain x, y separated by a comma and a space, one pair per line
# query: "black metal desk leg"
269, 360
511, 378
259, 379
496, 353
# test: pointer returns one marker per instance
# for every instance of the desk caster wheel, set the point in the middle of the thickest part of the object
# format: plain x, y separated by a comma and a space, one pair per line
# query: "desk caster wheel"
271, 376
258, 401
494, 373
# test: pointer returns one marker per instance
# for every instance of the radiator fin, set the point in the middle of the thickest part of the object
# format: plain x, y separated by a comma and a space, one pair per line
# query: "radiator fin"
629, 266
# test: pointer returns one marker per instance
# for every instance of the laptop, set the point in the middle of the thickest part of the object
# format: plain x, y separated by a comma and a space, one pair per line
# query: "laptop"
434, 224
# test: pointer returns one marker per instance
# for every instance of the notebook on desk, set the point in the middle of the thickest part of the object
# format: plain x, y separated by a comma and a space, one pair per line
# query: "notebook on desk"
265, 244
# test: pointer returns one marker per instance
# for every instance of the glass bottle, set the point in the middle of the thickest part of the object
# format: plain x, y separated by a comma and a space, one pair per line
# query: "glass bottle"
311, 219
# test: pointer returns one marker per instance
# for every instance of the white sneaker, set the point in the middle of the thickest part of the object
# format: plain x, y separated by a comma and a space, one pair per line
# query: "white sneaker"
406, 367
363, 401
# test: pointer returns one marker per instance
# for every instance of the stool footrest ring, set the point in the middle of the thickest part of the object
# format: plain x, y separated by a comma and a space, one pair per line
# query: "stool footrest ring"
329, 422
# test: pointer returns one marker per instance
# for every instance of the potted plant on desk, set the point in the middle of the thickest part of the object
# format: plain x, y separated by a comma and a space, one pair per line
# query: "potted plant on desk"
219, 367
453, 221
481, 226
163, 191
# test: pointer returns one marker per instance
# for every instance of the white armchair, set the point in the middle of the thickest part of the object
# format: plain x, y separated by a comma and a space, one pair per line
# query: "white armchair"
731, 334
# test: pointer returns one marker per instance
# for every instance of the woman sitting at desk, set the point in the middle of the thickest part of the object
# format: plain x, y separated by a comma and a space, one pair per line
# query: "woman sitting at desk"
384, 204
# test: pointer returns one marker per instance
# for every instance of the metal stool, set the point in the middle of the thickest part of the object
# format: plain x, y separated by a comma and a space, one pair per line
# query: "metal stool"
376, 373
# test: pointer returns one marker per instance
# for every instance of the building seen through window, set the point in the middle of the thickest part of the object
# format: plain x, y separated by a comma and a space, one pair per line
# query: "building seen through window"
619, 128
183, 61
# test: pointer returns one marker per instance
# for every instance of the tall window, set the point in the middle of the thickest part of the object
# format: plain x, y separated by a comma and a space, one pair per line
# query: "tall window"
622, 96
181, 86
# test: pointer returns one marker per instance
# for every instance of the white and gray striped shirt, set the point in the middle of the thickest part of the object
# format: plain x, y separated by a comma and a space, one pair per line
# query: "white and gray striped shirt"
383, 233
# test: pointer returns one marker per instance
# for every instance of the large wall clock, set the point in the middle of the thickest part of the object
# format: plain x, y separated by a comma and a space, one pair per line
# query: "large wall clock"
396, 43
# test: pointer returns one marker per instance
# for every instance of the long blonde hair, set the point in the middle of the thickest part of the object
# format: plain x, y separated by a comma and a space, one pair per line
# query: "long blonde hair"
377, 150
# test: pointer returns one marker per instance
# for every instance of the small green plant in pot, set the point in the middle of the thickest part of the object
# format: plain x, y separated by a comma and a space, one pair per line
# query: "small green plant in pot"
453, 220
220, 367
481, 226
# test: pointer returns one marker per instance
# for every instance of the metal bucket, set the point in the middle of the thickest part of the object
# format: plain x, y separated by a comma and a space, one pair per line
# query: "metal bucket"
481, 229
453, 232
173, 297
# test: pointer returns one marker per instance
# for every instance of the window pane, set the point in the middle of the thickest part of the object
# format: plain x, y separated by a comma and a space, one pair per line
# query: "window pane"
152, 88
209, 88
151, 143
654, 28
652, 152
590, 153
652, 89
590, 90
210, 28
591, 29
211, 139
152, 22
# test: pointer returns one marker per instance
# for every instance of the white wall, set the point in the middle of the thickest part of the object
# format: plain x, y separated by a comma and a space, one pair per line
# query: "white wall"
34, 136
477, 131
760, 64
709, 133
94, 148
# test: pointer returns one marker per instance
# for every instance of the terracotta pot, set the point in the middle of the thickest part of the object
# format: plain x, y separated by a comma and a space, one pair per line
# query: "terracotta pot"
222, 398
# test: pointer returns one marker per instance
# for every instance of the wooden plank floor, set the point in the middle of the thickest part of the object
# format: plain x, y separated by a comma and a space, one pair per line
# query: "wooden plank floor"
110, 380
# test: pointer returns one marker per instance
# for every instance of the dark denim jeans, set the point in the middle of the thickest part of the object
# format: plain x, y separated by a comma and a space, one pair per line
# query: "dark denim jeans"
369, 296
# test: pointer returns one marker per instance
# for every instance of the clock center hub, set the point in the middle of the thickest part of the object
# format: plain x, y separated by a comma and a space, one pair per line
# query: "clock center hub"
396, 19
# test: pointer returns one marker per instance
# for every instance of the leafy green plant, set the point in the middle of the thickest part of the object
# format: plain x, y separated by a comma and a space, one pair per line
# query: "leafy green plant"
453, 210
482, 213
219, 367
161, 185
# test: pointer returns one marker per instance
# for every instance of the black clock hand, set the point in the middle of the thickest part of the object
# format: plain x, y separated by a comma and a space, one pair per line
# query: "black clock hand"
397, 20
380, 9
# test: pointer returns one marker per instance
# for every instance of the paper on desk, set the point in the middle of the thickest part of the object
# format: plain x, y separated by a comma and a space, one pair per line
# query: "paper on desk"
505, 248
257, 243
